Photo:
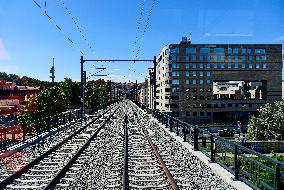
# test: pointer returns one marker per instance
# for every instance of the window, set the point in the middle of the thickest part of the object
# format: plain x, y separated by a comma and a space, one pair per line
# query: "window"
186, 58
222, 58
250, 58
175, 50
201, 74
194, 97
259, 50
229, 57
208, 57
257, 65
201, 97
194, 113
215, 65
194, 90
229, 105
174, 58
187, 82
187, 113
244, 50
208, 66
236, 65
193, 58
175, 74
222, 65
187, 66
201, 113
190, 50
208, 97
194, 74
230, 50
174, 66
175, 81
201, 89
204, 50
201, 82
229, 65
187, 73
250, 66
208, 81
236, 57
194, 81
243, 66
167, 51
201, 65
249, 51
201, 58
208, 113
194, 65
215, 57
264, 65
235, 50
263, 58
208, 74
218, 50
175, 89
243, 58
257, 58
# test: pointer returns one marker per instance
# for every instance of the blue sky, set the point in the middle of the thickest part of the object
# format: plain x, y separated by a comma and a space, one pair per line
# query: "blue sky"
29, 39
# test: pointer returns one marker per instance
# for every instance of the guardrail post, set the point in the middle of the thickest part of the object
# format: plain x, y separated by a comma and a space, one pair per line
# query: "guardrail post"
212, 156
195, 138
277, 176
70, 115
236, 163
63, 118
184, 133
177, 127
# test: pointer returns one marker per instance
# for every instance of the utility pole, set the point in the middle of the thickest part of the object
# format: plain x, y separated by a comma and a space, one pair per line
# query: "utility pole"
136, 92
155, 82
52, 71
82, 87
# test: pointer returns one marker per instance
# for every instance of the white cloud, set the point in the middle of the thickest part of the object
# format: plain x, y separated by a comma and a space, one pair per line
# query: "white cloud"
235, 35
9, 68
3, 53
228, 35
280, 38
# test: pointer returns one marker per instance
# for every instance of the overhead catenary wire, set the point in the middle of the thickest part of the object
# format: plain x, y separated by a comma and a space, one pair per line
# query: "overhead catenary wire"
79, 29
57, 26
136, 53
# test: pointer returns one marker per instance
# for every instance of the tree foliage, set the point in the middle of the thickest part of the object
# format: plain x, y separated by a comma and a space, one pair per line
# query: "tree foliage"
71, 92
32, 104
96, 95
269, 124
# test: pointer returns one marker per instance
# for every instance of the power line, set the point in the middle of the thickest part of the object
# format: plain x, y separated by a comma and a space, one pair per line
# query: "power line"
143, 34
57, 26
75, 22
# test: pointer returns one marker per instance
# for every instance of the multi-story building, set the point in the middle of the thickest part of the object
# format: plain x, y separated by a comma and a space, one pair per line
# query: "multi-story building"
217, 82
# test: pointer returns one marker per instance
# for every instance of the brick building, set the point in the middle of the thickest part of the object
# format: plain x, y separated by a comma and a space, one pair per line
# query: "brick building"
201, 83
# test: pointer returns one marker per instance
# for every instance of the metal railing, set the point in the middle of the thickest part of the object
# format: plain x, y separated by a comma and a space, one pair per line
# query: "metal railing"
256, 170
15, 129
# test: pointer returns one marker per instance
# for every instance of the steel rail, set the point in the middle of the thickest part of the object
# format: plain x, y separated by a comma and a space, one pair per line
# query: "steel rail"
62, 172
162, 163
23, 170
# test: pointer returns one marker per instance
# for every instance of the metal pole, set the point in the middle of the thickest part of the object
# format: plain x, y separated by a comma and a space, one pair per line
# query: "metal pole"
110, 91
154, 81
82, 86
136, 92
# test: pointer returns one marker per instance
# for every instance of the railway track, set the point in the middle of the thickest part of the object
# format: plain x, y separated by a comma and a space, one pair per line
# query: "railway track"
49, 168
144, 167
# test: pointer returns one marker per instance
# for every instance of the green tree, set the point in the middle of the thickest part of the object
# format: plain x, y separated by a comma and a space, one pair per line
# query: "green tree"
52, 101
269, 124
71, 92
96, 95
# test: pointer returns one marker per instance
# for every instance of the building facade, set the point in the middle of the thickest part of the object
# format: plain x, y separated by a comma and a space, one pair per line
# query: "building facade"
202, 83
